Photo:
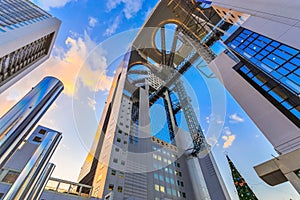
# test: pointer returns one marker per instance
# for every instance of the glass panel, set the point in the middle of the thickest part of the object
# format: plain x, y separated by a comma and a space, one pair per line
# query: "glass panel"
275, 95
275, 44
287, 105
294, 78
270, 63
296, 112
296, 61
283, 71
282, 54
289, 50
289, 66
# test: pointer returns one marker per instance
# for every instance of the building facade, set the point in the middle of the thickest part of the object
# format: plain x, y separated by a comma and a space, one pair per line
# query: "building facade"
27, 35
127, 159
267, 79
258, 65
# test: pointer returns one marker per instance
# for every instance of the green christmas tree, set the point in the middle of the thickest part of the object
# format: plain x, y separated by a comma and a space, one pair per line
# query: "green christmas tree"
244, 191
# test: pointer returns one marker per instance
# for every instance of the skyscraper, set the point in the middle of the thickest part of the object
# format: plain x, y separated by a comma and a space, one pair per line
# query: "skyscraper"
128, 160
27, 35
16, 124
252, 48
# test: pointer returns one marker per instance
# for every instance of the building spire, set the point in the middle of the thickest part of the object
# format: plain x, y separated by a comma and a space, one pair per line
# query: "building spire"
243, 190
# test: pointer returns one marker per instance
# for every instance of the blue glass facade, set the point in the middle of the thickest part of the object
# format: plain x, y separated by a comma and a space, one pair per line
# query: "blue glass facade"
279, 61
271, 67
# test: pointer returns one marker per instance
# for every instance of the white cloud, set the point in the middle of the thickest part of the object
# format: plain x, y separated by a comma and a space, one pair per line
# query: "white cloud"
47, 4
228, 138
130, 7
235, 118
92, 21
92, 103
216, 119
113, 27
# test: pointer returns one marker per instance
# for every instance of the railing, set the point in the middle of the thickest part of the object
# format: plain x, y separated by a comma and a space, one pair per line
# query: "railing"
69, 187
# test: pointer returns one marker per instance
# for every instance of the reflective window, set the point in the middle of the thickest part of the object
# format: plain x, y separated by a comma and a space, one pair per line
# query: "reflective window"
161, 178
278, 60
287, 100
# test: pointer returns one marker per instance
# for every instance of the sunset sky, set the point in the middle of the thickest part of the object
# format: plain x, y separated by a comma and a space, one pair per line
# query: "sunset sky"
93, 36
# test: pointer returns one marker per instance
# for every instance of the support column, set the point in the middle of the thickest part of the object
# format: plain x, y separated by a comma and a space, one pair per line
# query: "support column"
172, 125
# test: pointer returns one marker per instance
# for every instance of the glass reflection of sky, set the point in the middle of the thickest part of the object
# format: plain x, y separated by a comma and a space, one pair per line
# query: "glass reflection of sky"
21, 111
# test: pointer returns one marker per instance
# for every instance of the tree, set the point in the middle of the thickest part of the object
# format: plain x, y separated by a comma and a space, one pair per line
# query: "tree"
244, 191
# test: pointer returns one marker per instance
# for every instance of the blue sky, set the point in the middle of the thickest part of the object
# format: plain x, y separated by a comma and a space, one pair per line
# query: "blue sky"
85, 25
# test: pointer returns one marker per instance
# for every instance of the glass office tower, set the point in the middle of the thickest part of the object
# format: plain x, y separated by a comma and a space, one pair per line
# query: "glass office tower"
27, 35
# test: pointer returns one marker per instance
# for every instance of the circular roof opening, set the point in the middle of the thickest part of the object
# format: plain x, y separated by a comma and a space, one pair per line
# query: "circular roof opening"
137, 74
170, 30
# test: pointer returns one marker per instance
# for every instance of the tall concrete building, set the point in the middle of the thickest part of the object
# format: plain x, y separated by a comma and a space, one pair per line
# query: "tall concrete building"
251, 47
128, 160
27, 35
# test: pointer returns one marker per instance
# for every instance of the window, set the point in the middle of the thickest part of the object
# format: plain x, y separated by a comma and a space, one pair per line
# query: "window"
162, 189
125, 142
154, 156
113, 172
111, 187
118, 139
167, 180
158, 157
155, 176
37, 139
120, 189
121, 174
122, 162
42, 131
183, 195
172, 181
181, 183
297, 172
174, 192
178, 182
115, 160
272, 68
169, 192
10, 177
117, 149
179, 193
156, 187
161, 177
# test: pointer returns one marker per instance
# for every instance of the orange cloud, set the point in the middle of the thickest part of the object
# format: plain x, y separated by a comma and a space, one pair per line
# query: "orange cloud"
228, 138
82, 60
